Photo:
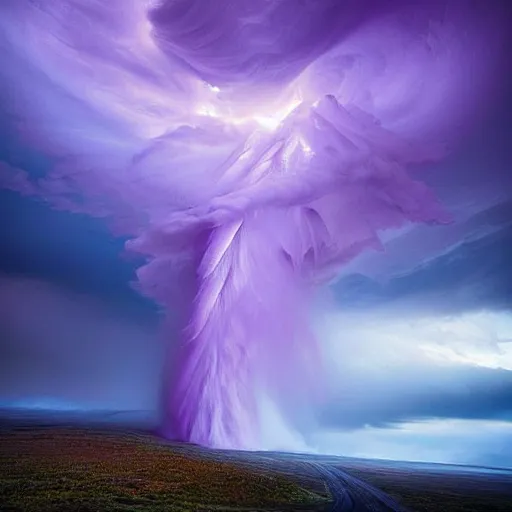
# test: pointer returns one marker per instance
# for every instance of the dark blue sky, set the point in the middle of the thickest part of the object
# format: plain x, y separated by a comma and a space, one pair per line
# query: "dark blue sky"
74, 251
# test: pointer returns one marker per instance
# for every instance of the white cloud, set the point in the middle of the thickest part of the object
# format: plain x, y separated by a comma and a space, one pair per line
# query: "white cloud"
443, 441
374, 338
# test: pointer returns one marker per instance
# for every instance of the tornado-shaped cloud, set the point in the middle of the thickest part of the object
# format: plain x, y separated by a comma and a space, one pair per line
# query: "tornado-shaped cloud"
248, 149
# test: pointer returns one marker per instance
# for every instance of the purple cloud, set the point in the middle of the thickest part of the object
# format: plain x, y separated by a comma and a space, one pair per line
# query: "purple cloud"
249, 153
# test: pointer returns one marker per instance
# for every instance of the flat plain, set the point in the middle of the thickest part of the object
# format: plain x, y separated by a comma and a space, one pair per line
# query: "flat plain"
60, 463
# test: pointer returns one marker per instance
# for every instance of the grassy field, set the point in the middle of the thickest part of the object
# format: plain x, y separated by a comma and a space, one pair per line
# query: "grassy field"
66, 470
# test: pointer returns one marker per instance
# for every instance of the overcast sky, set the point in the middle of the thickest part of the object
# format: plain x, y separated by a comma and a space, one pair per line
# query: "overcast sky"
417, 339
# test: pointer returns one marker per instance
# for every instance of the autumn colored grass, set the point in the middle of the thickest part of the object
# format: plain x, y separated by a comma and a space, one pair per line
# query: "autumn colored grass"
69, 469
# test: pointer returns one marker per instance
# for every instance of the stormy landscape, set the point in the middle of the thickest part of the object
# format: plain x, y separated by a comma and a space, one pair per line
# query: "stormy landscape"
255, 255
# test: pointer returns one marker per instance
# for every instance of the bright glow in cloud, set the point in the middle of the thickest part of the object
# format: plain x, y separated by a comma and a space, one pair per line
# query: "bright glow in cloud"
265, 119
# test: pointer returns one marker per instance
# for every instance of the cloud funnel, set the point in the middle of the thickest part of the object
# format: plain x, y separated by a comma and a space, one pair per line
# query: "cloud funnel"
248, 154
